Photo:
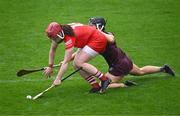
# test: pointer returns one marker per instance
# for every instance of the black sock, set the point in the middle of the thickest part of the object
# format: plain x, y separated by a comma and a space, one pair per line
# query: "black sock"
162, 69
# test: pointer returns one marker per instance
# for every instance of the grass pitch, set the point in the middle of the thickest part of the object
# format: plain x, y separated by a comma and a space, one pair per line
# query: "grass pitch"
147, 30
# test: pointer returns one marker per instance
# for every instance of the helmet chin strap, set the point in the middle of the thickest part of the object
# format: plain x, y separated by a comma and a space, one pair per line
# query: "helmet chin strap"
61, 36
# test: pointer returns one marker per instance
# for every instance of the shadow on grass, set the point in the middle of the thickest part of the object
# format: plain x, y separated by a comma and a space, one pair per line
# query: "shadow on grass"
148, 78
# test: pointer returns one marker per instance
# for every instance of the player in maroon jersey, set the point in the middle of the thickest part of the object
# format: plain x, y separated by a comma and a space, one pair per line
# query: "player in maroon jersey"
119, 63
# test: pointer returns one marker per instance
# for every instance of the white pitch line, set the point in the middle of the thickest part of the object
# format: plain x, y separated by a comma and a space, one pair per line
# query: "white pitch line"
126, 77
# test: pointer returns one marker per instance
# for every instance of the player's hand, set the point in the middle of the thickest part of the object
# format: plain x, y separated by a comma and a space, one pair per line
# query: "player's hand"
57, 82
48, 72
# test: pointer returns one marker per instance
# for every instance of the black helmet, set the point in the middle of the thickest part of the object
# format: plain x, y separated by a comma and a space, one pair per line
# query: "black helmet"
99, 22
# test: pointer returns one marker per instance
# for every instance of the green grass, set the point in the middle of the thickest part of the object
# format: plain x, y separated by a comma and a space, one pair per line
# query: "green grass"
148, 30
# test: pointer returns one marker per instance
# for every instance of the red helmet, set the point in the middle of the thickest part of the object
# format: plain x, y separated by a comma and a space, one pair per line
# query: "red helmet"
53, 30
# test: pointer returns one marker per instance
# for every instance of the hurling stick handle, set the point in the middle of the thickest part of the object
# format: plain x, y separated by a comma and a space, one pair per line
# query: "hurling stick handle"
54, 66
49, 88
57, 65
71, 74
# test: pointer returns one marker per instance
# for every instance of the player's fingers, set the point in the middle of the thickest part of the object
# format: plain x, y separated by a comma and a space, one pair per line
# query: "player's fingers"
46, 75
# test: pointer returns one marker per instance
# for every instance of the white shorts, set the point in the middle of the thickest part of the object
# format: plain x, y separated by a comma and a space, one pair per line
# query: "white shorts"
89, 51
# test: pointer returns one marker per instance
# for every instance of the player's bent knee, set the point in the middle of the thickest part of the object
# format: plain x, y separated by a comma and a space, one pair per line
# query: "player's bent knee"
140, 73
77, 64
74, 66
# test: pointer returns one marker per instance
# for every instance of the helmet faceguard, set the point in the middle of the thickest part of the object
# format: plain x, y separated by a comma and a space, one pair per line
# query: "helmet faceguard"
99, 22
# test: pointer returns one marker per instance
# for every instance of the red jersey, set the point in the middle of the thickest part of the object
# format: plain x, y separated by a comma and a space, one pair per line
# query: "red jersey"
86, 35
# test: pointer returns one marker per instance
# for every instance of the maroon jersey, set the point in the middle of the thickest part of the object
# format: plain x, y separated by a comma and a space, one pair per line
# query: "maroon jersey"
118, 61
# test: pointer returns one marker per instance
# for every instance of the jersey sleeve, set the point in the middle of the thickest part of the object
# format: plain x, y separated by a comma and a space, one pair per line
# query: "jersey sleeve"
69, 42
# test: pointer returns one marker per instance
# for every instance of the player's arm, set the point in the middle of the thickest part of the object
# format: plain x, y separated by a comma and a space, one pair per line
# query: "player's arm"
64, 66
52, 51
109, 37
72, 57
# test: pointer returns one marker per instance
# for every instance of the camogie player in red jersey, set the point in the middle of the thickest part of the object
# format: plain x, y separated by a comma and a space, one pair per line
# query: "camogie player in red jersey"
90, 42
119, 63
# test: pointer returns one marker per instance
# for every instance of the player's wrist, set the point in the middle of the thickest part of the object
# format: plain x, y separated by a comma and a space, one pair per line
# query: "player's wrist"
50, 65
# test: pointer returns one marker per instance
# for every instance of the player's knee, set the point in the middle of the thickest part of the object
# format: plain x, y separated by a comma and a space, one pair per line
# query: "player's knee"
141, 72
74, 66
77, 64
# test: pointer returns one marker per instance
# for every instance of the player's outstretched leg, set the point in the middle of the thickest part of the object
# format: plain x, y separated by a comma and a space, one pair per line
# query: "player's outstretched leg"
168, 70
150, 70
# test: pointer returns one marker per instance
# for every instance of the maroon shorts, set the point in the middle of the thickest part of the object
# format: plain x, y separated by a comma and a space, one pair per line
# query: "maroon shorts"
121, 67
